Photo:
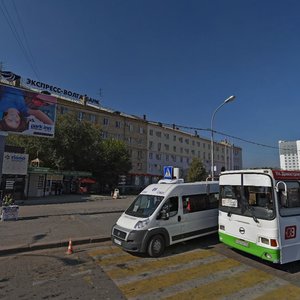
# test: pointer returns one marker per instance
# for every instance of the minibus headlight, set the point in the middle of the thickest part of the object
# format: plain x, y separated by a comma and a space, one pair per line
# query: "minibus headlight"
141, 224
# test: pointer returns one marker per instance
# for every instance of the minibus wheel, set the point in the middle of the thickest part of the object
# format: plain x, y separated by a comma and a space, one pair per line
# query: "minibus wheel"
156, 246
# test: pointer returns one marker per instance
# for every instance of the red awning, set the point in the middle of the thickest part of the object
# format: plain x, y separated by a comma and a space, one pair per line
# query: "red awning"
87, 180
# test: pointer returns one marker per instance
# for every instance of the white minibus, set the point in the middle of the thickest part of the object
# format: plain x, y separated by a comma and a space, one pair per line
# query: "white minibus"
259, 213
167, 213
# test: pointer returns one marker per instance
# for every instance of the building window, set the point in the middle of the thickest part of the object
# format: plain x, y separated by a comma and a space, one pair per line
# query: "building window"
93, 118
140, 155
151, 132
118, 124
104, 134
105, 122
158, 133
80, 115
63, 110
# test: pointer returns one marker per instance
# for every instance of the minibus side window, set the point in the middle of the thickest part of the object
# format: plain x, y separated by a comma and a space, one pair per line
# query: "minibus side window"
170, 207
213, 201
173, 204
200, 202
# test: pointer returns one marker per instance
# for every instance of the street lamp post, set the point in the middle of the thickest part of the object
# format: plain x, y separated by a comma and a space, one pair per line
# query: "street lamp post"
229, 99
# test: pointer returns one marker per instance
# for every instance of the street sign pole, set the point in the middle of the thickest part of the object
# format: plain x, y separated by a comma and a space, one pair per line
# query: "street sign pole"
2, 146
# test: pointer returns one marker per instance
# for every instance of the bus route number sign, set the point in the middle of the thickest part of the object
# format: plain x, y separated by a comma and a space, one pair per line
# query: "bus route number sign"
290, 232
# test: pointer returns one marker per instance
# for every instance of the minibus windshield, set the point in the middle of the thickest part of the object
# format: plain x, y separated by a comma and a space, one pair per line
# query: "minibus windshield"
144, 206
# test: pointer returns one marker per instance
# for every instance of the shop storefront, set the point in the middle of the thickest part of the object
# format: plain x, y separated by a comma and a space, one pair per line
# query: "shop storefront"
42, 182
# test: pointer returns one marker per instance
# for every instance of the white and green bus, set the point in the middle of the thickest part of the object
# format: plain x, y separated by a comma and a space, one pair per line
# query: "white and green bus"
259, 213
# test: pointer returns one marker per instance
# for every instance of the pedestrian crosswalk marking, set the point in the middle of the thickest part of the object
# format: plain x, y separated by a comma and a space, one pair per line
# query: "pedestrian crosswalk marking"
147, 265
287, 291
221, 288
196, 274
144, 286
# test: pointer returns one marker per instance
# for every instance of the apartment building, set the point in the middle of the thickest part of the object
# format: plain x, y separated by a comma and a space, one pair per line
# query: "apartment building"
289, 155
170, 146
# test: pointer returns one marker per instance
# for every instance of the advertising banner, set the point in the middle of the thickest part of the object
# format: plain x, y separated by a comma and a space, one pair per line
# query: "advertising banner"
26, 112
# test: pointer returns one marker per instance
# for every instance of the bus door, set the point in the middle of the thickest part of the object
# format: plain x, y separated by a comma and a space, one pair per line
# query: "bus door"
289, 220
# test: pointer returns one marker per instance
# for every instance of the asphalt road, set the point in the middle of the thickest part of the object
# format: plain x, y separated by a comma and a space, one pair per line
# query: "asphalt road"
52, 274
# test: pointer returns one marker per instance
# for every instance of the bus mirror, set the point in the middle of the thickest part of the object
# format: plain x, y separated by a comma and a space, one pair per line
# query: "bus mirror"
207, 189
283, 193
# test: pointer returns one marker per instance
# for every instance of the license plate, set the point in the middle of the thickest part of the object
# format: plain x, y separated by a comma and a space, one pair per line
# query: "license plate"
243, 243
118, 242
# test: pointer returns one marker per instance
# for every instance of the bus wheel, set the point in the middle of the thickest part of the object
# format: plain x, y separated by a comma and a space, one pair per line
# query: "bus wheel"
156, 246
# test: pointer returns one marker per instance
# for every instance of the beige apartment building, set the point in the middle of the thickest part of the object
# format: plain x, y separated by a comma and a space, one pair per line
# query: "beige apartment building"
170, 146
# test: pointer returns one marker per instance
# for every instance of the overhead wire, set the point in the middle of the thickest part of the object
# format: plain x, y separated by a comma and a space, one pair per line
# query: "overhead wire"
14, 30
193, 128
221, 133
25, 37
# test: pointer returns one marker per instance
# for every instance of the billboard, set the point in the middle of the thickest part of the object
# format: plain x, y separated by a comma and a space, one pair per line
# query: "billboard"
26, 112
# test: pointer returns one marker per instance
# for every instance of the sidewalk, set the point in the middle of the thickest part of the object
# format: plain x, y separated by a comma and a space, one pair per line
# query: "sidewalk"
52, 221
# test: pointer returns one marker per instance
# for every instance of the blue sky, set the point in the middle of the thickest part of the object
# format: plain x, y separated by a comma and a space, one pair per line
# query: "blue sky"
175, 61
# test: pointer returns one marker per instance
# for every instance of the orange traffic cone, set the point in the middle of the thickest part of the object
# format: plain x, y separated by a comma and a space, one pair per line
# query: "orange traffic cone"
70, 248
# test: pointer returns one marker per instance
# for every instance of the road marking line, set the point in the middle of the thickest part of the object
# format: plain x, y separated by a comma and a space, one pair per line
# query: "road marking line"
145, 286
187, 285
221, 288
81, 273
287, 291
164, 270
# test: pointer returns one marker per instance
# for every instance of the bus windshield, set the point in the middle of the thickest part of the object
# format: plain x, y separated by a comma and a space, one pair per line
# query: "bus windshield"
252, 201
144, 206
289, 203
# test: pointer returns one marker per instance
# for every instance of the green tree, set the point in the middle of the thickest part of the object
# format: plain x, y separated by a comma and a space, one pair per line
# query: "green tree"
196, 171
77, 145
114, 160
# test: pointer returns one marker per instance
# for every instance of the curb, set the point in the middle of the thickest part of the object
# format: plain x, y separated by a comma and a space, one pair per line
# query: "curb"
57, 244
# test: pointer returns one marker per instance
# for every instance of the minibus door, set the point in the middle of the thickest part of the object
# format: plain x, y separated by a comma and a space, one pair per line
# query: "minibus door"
170, 218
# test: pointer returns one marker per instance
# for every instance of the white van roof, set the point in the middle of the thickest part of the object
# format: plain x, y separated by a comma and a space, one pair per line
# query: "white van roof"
162, 189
